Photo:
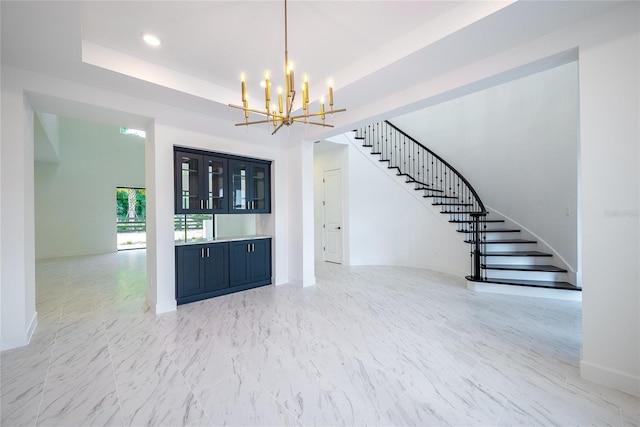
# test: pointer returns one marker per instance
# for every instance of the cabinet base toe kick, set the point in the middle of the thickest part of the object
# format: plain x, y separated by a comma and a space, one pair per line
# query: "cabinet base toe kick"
213, 294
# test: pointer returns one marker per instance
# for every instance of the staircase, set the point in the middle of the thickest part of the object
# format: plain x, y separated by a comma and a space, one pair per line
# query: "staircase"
501, 258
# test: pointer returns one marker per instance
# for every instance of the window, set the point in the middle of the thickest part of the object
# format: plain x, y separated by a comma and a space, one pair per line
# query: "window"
131, 218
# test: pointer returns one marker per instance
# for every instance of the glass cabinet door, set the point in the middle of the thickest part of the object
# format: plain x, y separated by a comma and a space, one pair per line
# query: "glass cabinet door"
216, 198
238, 185
189, 170
259, 183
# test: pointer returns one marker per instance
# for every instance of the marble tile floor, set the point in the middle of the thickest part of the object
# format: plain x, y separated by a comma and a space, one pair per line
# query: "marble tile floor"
365, 346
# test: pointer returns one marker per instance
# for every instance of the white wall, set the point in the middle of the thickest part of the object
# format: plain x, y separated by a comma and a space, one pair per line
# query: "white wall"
384, 222
388, 225
300, 221
610, 200
17, 278
46, 137
517, 145
75, 198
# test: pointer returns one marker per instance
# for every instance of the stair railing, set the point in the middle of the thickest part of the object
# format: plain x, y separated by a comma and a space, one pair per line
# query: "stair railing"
432, 174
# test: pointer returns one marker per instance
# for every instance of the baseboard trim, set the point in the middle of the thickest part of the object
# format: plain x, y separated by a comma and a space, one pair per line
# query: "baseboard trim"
22, 339
610, 377
166, 307
32, 327
525, 291
309, 281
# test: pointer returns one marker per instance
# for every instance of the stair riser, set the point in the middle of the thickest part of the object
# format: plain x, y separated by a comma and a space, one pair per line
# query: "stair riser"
526, 275
518, 260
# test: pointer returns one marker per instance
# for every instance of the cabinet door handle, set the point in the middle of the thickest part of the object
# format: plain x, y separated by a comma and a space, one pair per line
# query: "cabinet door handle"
248, 247
201, 204
253, 247
207, 252
202, 253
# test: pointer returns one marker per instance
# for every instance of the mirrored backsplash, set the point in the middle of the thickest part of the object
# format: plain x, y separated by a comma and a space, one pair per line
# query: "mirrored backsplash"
194, 228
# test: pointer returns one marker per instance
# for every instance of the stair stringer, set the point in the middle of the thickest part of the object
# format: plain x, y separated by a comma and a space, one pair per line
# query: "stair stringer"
541, 245
433, 211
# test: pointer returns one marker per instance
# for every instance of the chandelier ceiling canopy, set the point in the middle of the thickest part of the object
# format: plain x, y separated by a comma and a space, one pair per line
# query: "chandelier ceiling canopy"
279, 113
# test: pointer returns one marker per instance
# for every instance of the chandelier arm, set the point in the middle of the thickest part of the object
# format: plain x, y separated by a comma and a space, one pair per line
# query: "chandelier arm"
252, 110
293, 98
253, 123
277, 129
318, 114
326, 125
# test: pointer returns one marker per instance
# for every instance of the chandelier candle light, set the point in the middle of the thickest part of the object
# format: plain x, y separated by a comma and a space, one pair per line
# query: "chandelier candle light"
280, 114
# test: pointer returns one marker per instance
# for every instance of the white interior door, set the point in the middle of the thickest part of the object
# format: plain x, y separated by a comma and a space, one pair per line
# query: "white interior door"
332, 214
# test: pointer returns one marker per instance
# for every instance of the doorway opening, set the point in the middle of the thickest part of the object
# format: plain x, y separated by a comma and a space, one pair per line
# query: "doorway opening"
131, 218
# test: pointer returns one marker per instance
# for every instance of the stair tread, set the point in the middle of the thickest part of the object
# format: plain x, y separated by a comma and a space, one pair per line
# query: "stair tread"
434, 195
458, 212
518, 253
452, 204
469, 221
525, 267
532, 283
495, 230
499, 241
412, 180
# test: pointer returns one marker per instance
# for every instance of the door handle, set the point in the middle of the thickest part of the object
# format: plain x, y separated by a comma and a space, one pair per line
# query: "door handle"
202, 253
207, 252
338, 228
201, 204
253, 247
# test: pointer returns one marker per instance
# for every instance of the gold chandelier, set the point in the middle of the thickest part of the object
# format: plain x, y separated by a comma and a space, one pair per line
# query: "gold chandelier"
280, 114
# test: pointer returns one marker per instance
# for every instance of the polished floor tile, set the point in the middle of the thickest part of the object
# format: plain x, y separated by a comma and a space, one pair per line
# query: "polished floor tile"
365, 346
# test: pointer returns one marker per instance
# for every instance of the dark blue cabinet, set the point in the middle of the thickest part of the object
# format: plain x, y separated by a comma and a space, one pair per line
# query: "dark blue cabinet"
202, 271
250, 262
213, 269
200, 183
250, 186
189, 271
212, 183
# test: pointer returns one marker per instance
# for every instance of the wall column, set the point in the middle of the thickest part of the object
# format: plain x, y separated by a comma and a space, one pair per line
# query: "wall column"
610, 202
301, 232
161, 296
17, 229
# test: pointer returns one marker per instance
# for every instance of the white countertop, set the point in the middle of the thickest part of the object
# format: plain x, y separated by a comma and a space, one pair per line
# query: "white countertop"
224, 239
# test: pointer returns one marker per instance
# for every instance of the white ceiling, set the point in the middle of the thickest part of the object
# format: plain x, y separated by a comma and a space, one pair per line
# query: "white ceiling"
386, 45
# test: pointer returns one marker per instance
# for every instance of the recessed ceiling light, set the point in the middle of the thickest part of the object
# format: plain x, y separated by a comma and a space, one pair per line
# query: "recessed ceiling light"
150, 39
